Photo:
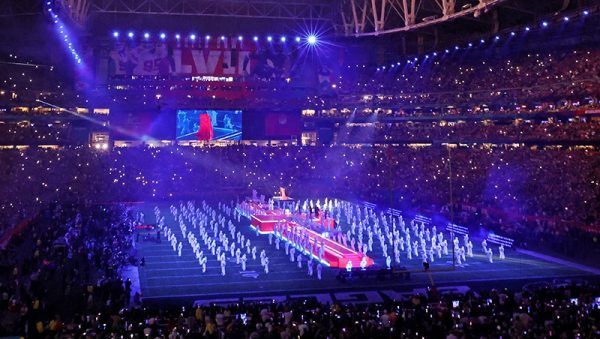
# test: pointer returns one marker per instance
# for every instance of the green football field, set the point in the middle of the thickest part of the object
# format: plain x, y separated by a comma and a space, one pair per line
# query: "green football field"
166, 276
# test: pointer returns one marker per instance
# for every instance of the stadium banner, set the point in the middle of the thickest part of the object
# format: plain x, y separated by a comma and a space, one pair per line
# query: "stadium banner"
219, 58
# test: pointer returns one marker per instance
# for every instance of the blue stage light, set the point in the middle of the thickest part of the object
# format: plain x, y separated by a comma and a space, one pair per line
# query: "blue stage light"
497, 37
470, 44
312, 39
269, 38
163, 36
482, 41
527, 29
298, 39
208, 37
283, 39
146, 35
240, 38
222, 37
513, 33
115, 34
566, 18
177, 36
193, 36
545, 24
130, 35
586, 12
255, 38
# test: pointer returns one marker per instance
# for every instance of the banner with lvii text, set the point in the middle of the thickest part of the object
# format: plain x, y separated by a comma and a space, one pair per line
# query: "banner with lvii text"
220, 58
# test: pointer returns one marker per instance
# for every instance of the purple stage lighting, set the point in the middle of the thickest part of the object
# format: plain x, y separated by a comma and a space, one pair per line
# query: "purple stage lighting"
312, 39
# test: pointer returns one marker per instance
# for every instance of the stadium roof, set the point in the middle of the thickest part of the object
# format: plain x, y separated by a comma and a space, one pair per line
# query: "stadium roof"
345, 17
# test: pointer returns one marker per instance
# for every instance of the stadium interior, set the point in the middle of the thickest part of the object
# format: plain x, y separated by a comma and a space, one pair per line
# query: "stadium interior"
299, 169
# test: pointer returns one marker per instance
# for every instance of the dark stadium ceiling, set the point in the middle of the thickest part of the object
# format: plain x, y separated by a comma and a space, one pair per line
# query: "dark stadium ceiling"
442, 18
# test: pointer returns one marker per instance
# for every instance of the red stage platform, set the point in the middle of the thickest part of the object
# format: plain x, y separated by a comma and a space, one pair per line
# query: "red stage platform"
335, 254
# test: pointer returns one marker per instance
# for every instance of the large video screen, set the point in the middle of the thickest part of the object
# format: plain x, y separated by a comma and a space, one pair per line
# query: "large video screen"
207, 125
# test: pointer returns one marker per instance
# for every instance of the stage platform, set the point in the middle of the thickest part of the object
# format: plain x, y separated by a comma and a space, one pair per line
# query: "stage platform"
167, 278
335, 254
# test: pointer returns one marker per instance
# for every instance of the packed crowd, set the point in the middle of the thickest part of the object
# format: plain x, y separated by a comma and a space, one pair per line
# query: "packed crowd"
562, 78
466, 132
515, 185
556, 80
66, 262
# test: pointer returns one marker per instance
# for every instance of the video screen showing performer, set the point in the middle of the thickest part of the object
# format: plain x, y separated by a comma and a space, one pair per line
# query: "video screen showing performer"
209, 125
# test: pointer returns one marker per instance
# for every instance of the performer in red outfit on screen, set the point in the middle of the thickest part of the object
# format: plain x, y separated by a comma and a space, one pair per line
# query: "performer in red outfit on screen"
205, 132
